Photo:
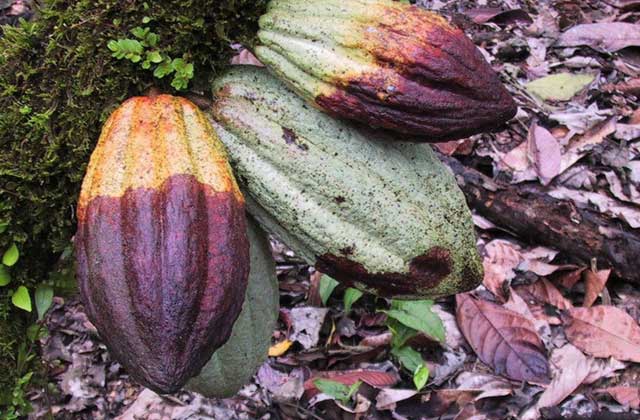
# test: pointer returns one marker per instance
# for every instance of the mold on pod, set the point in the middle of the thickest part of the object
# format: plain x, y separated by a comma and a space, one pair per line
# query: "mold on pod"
233, 364
382, 215
385, 64
161, 246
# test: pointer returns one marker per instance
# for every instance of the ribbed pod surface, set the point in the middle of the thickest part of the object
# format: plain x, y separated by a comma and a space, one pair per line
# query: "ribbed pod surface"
161, 246
233, 364
385, 216
385, 64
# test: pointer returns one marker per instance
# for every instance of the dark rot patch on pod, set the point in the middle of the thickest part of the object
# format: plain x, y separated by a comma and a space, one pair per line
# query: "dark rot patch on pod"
163, 272
425, 272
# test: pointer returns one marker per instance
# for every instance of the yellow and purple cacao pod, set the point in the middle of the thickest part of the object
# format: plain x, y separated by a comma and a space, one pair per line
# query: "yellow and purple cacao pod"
162, 249
385, 64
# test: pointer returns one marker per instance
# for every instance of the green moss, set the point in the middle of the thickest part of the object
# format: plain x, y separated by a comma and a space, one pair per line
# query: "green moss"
59, 82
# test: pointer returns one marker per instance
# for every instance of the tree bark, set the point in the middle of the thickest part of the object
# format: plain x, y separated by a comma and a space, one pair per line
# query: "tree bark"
528, 211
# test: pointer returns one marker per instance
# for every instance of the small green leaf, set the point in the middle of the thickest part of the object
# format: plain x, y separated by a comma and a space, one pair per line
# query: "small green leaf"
351, 296
408, 357
44, 298
334, 389
11, 256
21, 298
152, 39
163, 69
154, 57
5, 225
146, 19
139, 32
421, 376
327, 286
353, 389
113, 45
559, 87
418, 315
400, 333
5, 276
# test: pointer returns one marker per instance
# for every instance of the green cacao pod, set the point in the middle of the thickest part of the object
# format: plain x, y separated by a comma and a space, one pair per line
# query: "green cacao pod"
161, 245
384, 216
384, 63
233, 364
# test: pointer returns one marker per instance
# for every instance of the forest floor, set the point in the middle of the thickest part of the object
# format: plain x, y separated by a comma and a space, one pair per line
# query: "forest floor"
550, 334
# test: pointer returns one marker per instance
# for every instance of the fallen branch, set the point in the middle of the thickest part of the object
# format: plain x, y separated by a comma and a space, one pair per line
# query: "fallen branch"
528, 211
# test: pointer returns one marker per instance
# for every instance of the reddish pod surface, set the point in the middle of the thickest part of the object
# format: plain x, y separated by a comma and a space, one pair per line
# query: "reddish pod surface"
161, 245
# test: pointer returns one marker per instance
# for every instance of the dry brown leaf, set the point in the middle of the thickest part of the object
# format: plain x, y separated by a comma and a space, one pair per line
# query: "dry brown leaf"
570, 368
482, 15
456, 147
517, 304
543, 291
502, 339
602, 368
578, 147
378, 340
603, 331
375, 378
245, 57
545, 152
594, 284
569, 279
487, 386
453, 336
605, 36
388, 397
629, 213
626, 395
501, 258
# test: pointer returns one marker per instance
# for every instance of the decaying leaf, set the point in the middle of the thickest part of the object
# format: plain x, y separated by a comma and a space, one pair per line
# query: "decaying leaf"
604, 36
498, 15
532, 312
559, 87
613, 207
306, 323
485, 385
543, 291
546, 153
501, 258
570, 368
503, 339
602, 368
603, 331
374, 378
387, 398
594, 284
626, 395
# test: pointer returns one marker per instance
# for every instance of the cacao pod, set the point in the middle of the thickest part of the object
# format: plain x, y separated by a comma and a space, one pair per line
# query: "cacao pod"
233, 364
386, 64
384, 216
161, 245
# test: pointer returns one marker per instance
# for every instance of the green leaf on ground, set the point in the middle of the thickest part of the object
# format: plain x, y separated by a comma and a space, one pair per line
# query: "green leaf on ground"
559, 87
327, 286
418, 315
351, 296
